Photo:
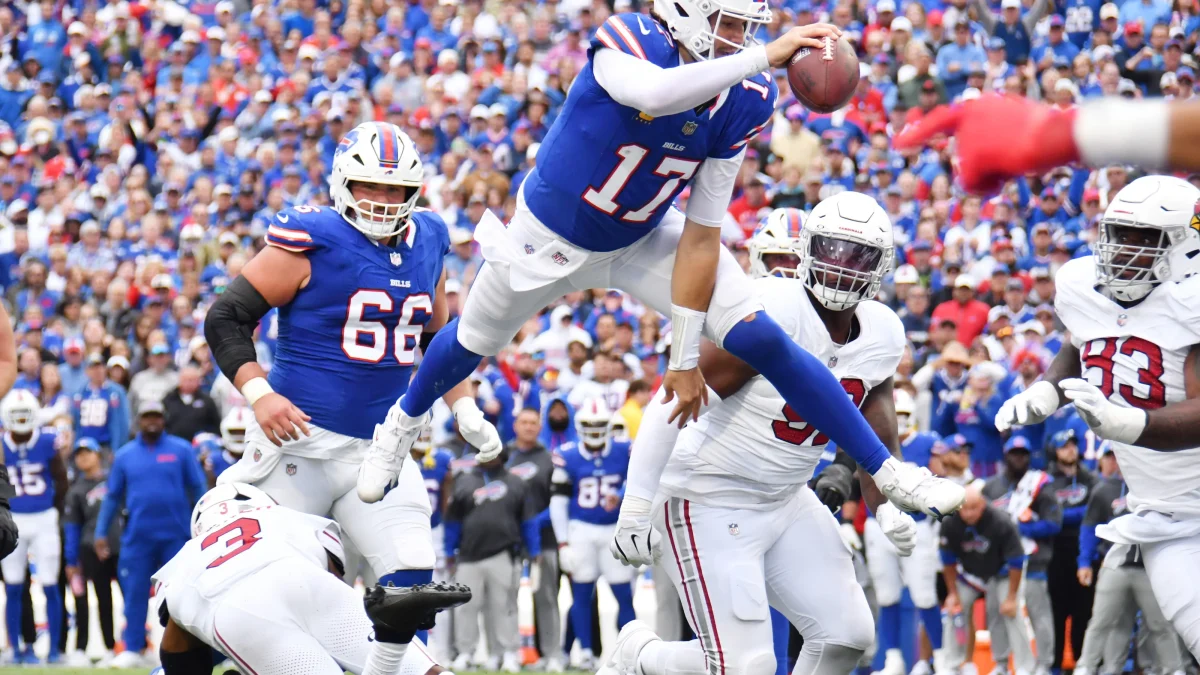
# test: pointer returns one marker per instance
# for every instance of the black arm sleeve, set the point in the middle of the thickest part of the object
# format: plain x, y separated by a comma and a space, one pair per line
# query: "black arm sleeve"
229, 326
197, 661
426, 338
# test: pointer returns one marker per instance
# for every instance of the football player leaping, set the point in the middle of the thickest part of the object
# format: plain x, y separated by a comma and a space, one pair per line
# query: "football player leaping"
358, 286
257, 583
665, 101
1133, 371
739, 528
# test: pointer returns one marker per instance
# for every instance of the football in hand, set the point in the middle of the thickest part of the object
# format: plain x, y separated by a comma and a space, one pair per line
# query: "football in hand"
824, 79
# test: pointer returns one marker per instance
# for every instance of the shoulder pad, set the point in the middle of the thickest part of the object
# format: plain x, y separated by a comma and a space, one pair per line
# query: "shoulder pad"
639, 36
429, 223
300, 229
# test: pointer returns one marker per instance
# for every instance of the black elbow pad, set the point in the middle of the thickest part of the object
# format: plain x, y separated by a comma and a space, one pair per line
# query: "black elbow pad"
230, 323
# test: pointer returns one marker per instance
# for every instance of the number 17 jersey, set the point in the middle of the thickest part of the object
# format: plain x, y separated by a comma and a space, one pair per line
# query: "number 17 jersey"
607, 173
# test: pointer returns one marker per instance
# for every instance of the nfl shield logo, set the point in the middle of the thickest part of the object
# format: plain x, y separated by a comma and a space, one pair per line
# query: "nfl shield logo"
1122, 319
689, 128
529, 249
257, 454
833, 360
734, 529
396, 259
291, 469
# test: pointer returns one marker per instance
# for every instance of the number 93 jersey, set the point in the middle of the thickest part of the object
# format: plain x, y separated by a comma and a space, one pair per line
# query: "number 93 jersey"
752, 448
348, 340
592, 478
606, 173
1136, 357
29, 470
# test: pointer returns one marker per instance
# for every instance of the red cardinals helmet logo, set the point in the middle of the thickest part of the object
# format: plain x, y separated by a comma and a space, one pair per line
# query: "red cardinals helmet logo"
1195, 224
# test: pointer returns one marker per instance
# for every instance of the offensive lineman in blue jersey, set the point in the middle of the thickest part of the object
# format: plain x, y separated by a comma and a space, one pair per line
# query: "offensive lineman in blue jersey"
588, 481
664, 100
358, 286
34, 467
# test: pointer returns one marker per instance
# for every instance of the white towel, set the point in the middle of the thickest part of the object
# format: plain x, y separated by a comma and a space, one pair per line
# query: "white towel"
1022, 498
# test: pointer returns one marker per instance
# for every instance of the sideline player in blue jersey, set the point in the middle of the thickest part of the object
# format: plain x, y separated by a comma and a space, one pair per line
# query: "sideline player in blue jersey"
665, 100
34, 468
218, 453
439, 483
357, 285
589, 479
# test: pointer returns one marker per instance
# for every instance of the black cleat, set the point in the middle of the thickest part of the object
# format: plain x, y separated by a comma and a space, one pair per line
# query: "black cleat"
404, 610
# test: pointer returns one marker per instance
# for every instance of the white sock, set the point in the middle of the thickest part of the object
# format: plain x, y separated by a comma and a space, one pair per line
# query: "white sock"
417, 660
671, 658
384, 658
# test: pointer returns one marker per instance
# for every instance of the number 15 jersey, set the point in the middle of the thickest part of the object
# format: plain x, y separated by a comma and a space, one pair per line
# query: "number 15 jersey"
1136, 357
606, 173
752, 450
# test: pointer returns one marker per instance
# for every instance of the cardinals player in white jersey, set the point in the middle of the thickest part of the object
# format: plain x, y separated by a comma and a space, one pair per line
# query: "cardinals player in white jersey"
738, 527
261, 584
1132, 369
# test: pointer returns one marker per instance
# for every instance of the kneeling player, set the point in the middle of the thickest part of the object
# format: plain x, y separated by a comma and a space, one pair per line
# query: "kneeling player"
261, 584
741, 530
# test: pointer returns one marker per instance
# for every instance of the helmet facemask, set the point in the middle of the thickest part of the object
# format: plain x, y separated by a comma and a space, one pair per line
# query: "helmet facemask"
593, 435
379, 220
781, 262
841, 273
1131, 259
696, 23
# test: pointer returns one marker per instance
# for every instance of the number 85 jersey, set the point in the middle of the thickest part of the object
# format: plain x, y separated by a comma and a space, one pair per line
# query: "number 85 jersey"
348, 340
590, 478
607, 173
752, 448
1136, 357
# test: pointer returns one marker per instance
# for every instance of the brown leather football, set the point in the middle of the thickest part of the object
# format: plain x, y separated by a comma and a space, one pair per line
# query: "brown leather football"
824, 79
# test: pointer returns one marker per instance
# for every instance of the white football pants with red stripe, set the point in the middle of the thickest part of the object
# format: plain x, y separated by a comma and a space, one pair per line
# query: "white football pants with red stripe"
731, 565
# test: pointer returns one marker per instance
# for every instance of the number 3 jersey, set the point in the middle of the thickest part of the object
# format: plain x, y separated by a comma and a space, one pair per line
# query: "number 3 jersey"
752, 448
348, 339
607, 173
209, 567
1136, 357
29, 470
589, 478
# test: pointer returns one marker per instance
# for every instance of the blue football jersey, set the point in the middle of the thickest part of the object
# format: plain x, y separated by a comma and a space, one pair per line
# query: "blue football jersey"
29, 470
348, 340
918, 448
592, 477
607, 173
434, 467
1081, 17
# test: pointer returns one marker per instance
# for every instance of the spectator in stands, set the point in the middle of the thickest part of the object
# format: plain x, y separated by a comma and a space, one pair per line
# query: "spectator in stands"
189, 410
968, 314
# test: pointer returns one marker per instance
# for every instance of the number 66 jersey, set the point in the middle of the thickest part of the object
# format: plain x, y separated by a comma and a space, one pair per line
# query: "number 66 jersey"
1136, 357
752, 449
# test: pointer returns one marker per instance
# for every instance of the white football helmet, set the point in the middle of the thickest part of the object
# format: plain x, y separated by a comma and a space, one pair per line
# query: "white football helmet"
693, 23
906, 407
424, 442
19, 411
591, 423
845, 250
376, 152
779, 238
233, 429
1149, 235
225, 503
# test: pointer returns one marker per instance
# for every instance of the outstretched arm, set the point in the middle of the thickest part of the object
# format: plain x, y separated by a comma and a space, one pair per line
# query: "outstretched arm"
879, 409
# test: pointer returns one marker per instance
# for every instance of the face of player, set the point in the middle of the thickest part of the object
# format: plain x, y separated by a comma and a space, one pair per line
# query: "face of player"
780, 261
731, 32
381, 197
850, 264
1139, 255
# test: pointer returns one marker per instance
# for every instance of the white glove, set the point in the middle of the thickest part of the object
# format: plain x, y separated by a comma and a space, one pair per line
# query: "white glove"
1107, 419
850, 536
1031, 406
566, 559
914, 488
476, 430
898, 527
635, 542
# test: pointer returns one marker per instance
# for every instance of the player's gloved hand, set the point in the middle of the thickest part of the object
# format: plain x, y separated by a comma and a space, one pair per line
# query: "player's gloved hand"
566, 559
999, 137
476, 430
635, 542
833, 486
914, 488
899, 528
1107, 419
850, 536
812, 36
1031, 406
280, 420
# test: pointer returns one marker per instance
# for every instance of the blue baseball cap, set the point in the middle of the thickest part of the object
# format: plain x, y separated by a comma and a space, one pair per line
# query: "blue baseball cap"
1186, 72
1063, 437
958, 441
86, 443
996, 44
1016, 443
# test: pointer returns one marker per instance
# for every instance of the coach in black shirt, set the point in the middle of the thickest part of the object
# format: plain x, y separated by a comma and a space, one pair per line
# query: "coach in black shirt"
982, 543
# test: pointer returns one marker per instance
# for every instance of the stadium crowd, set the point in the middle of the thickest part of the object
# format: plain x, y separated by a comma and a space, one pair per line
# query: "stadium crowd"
145, 146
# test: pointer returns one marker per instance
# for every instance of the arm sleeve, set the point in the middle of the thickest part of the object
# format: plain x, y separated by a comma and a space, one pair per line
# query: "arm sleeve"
653, 445
1074, 514
73, 532
531, 534
712, 188
452, 532
658, 91
1088, 543
559, 518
